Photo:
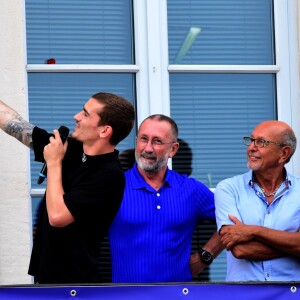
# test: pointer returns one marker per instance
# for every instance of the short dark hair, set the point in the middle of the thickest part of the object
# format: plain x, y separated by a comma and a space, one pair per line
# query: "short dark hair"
118, 113
165, 118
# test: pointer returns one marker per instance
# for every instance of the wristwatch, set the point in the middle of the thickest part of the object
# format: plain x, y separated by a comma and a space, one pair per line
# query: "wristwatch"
205, 256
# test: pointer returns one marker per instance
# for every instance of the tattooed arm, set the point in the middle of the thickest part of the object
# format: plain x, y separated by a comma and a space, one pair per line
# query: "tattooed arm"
13, 124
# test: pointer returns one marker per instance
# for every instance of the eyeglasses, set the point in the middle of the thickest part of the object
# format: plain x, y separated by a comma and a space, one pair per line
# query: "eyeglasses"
154, 142
260, 143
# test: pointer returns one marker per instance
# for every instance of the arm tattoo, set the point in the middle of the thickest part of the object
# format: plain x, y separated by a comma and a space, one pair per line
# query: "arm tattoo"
13, 124
21, 130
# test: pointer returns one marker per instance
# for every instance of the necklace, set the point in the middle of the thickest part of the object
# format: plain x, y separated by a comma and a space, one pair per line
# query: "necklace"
84, 158
271, 194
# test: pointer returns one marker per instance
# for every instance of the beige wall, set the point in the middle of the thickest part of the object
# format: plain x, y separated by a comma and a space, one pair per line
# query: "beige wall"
14, 200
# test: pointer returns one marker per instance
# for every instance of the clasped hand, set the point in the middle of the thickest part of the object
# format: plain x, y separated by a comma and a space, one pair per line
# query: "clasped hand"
232, 235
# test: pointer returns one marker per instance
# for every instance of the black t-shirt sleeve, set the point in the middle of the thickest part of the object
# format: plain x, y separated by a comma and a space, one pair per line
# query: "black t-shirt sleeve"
40, 139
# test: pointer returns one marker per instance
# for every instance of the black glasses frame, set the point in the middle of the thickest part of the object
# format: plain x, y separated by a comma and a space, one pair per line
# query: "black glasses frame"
154, 142
260, 143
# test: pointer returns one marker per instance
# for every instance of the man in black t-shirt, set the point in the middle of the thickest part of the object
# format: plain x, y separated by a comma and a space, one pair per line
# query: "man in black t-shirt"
85, 185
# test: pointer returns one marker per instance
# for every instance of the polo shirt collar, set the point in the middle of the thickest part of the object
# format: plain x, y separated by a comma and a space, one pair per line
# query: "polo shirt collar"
253, 179
138, 181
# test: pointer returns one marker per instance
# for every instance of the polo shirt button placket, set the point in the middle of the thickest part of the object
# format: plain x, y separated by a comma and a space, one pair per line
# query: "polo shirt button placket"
158, 206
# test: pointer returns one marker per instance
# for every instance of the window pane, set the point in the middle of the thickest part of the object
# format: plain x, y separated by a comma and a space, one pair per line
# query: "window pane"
79, 32
214, 112
54, 98
220, 32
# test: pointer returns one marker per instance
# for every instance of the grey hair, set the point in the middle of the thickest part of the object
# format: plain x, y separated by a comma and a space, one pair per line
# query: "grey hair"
288, 137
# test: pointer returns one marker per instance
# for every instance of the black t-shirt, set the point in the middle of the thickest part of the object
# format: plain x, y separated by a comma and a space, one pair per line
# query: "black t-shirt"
93, 193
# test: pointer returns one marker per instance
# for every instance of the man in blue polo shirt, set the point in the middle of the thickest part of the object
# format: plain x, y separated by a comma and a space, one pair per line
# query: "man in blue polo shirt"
150, 237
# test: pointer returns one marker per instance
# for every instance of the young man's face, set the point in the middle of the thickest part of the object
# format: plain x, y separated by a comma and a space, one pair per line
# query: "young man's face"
87, 127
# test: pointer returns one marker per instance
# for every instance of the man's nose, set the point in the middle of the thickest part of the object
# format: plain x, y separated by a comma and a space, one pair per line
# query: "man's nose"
149, 145
76, 117
252, 145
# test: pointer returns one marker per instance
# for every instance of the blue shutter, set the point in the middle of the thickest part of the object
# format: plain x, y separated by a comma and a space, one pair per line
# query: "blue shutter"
79, 32
235, 32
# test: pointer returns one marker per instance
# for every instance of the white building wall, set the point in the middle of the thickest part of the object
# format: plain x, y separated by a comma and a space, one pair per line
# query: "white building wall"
15, 218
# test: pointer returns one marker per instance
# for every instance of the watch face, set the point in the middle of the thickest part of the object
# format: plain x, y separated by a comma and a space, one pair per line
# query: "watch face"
206, 257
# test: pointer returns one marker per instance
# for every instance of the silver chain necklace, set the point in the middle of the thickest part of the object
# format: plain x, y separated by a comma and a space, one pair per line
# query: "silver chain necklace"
84, 158
271, 194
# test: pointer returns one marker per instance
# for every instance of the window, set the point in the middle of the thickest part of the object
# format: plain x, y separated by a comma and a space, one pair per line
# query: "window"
217, 67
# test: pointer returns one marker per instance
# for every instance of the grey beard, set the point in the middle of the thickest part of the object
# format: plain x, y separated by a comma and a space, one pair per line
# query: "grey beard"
152, 167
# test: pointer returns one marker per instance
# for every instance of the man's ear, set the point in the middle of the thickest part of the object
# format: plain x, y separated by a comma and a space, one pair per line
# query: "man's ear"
106, 131
175, 148
286, 153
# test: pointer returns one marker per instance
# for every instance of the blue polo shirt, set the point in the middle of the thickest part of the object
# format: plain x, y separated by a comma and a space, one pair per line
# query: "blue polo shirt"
150, 238
241, 197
